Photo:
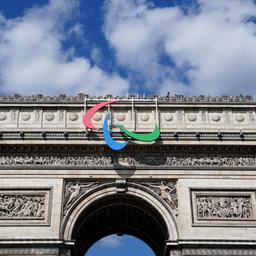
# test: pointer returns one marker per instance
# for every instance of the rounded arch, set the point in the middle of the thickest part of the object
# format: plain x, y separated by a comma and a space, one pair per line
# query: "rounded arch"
138, 212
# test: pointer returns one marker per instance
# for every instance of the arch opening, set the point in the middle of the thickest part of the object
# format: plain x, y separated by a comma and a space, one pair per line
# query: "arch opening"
120, 214
124, 245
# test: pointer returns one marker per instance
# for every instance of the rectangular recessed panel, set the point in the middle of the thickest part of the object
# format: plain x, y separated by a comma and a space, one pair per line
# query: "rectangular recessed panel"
25, 206
223, 207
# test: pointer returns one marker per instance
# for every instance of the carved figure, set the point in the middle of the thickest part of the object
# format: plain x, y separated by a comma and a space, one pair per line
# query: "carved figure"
158, 159
74, 190
22, 206
166, 190
223, 207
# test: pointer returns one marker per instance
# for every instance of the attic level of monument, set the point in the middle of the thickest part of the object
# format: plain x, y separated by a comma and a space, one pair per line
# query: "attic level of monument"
189, 191
181, 119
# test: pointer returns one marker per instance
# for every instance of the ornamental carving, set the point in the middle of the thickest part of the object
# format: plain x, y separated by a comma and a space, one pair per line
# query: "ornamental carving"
80, 98
167, 191
74, 190
231, 207
55, 160
155, 159
225, 207
30, 206
22, 206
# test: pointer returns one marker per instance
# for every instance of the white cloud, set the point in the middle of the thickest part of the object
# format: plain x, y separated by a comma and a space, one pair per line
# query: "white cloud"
96, 55
214, 47
32, 58
112, 241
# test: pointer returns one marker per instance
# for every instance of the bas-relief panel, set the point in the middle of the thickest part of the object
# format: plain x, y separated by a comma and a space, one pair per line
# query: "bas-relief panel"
25, 206
33, 251
216, 207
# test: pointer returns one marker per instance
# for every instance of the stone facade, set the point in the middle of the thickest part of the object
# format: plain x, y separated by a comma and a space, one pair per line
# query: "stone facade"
191, 192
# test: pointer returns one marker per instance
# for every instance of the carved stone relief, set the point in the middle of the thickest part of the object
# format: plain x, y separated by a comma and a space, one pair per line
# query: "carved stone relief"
120, 116
49, 116
168, 117
81, 96
32, 251
73, 116
22, 207
155, 159
219, 206
74, 190
224, 207
218, 252
167, 191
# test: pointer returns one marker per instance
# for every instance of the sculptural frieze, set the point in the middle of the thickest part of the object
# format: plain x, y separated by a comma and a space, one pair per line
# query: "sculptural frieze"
224, 207
129, 160
22, 206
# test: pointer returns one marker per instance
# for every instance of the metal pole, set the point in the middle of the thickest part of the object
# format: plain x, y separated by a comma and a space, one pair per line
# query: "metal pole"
85, 101
85, 106
133, 115
157, 113
110, 115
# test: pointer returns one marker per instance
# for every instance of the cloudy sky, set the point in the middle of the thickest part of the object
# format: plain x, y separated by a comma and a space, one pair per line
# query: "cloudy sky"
128, 46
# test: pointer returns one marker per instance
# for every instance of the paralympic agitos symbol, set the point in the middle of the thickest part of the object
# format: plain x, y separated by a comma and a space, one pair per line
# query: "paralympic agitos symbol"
106, 133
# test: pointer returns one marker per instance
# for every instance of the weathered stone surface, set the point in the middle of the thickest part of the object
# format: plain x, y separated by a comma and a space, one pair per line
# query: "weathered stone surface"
221, 207
182, 114
192, 192
161, 157
21, 206
73, 190
166, 190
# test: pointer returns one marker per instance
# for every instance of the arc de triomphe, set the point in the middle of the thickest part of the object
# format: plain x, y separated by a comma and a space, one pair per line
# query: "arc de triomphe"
191, 192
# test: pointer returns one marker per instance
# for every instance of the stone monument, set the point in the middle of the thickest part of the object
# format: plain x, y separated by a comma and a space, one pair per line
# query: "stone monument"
190, 192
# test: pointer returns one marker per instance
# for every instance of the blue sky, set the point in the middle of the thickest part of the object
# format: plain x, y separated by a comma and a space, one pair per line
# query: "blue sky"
120, 245
128, 46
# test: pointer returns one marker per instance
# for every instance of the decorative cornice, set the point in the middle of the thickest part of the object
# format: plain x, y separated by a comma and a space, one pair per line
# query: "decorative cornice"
94, 137
79, 98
